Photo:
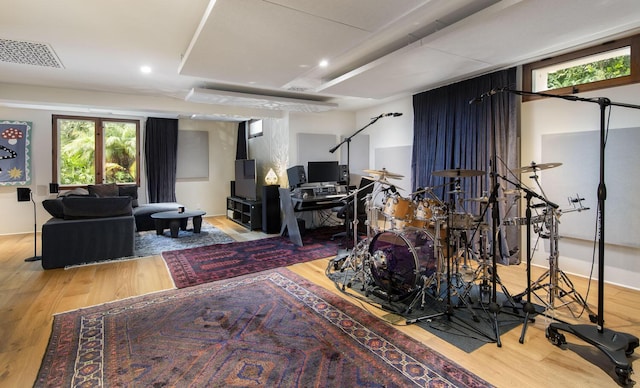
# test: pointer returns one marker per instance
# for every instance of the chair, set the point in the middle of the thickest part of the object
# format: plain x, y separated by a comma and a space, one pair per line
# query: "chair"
345, 211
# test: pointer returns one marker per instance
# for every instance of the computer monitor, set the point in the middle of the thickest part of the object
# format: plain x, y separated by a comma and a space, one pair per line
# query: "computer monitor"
318, 172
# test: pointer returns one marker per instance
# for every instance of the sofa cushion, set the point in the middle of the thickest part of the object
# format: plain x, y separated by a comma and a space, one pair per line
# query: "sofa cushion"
91, 207
78, 191
54, 207
129, 191
104, 190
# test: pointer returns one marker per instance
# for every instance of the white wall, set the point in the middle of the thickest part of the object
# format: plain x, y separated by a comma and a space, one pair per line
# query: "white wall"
390, 132
210, 194
550, 116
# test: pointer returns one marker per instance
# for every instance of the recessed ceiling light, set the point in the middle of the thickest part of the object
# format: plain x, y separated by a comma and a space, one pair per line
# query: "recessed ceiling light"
145, 69
324, 63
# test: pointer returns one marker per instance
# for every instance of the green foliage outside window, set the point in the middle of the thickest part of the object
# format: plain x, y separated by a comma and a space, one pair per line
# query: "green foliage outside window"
77, 159
77, 153
590, 72
120, 152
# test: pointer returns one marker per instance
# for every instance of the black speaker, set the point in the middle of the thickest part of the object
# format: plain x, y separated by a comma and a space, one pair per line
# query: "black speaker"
270, 209
24, 194
344, 173
296, 176
232, 189
54, 188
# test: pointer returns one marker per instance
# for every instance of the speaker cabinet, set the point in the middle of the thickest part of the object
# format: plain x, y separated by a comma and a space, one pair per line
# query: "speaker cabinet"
296, 176
344, 173
232, 188
270, 209
24, 194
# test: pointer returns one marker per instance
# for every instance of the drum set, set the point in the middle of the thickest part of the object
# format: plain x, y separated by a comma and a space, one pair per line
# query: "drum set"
418, 247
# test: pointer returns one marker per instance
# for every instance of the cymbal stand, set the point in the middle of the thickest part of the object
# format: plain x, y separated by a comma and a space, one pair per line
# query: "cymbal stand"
449, 307
356, 260
427, 281
555, 275
527, 306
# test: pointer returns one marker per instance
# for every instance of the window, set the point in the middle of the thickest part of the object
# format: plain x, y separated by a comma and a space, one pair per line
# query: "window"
90, 150
611, 64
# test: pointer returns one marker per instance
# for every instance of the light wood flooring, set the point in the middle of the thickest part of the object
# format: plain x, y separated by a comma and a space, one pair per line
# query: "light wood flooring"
30, 296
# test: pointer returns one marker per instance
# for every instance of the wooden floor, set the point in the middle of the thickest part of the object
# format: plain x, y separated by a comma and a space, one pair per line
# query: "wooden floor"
31, 296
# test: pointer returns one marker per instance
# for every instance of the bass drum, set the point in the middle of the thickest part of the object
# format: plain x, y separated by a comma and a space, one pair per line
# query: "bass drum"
398, 260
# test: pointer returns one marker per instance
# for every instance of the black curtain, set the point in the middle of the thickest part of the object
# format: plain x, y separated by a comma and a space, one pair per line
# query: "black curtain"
453, 131
241, 145
161, 156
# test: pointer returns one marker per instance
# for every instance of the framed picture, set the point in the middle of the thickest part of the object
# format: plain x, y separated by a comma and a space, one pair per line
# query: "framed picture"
15, 153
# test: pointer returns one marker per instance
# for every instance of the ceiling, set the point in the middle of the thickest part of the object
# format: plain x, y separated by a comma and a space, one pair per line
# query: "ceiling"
265, 55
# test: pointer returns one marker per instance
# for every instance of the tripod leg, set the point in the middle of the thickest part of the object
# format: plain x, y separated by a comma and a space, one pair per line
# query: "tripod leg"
528, 309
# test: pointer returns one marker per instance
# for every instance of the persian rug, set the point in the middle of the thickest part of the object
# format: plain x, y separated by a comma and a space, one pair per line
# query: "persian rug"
148, 243
189, 267
268, 329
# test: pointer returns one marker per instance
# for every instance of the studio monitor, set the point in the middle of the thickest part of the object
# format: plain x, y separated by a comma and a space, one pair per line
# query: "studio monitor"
24, 194
344, 173
296, 176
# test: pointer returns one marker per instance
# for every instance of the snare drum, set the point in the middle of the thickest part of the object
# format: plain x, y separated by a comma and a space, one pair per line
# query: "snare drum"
398, 208
461, 221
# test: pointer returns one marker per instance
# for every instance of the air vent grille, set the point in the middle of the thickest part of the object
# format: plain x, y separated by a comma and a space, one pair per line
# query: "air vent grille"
28, 53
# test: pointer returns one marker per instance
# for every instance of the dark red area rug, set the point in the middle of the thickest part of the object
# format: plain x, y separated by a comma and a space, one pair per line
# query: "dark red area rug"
189, 267
268, 329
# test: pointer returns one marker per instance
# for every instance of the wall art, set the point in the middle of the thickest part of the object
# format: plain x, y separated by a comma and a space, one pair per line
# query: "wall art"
15, 153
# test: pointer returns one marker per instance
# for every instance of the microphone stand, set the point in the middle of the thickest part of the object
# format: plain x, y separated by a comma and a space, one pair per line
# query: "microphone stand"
616, 345
347, 141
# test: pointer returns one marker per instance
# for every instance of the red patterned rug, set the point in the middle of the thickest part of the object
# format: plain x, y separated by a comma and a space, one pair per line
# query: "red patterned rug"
268, 329
189, 267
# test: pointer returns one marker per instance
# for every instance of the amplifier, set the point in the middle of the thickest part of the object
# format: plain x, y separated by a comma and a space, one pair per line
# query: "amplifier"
324, 190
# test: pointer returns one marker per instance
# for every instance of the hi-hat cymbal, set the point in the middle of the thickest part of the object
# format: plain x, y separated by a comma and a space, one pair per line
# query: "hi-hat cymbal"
458, 173
533, 167
384, 174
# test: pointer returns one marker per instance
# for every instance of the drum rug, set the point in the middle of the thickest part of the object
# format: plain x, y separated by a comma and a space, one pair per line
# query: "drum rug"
199, 265
467, 325
273, 328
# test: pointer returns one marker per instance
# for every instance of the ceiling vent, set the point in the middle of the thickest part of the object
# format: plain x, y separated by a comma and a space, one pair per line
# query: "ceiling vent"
28, 53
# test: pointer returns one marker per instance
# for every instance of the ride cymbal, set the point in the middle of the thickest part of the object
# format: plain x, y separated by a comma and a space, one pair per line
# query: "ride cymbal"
533, 167
458, 173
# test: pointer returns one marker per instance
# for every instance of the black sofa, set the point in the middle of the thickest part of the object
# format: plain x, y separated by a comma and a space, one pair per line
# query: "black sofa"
94, 224
87, 229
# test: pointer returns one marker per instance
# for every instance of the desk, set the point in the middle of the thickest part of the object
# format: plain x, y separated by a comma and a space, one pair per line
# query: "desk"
292, 204
319, 202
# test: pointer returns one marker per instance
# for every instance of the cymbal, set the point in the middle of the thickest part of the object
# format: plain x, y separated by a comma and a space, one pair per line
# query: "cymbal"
384, 173
533, 167
384, 182
458, 173
483, 199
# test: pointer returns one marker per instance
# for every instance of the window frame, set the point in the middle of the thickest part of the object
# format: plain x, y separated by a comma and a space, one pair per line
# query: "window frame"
99, 151
633, 42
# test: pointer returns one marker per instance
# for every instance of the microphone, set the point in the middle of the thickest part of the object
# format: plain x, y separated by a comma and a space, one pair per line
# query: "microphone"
485, 95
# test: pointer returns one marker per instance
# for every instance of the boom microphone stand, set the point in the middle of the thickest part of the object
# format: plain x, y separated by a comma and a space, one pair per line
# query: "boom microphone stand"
617, 346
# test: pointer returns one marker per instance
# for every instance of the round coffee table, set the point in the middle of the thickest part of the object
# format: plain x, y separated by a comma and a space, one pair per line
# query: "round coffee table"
175, 221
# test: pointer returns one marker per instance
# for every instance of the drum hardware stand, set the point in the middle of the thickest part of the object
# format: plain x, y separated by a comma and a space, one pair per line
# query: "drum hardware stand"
616, 345
356, 259
427, 281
